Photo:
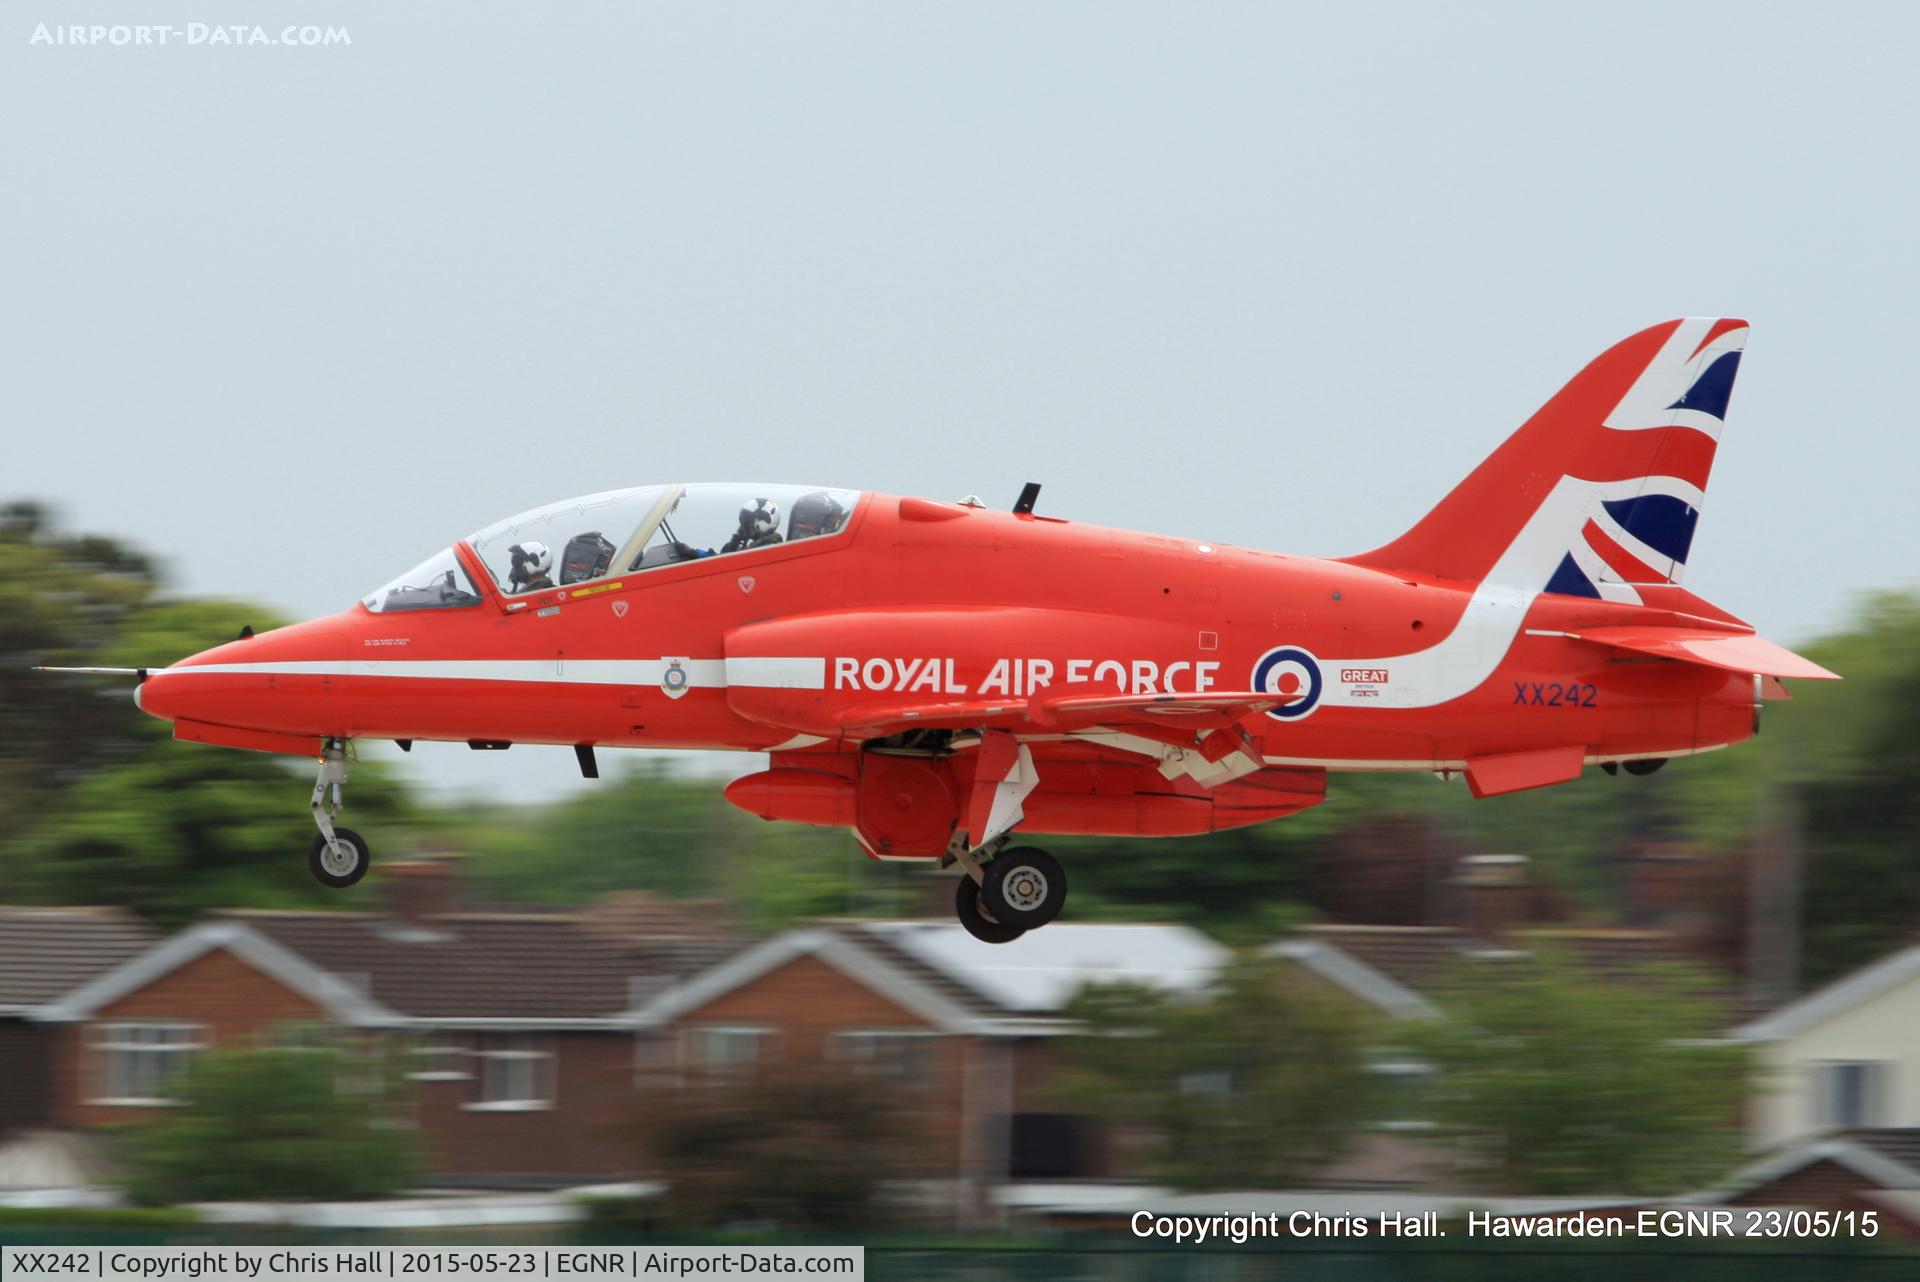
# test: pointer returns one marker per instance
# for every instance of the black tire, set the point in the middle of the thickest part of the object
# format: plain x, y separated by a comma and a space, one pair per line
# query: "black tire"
966, 906
1025, 887
1645, 767
334, 876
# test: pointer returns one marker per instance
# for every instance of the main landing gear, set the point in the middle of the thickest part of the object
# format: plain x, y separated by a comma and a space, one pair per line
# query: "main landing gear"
338, 856
1014, 891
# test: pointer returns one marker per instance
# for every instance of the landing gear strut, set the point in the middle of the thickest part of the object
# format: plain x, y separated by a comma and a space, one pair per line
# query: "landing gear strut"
338, 857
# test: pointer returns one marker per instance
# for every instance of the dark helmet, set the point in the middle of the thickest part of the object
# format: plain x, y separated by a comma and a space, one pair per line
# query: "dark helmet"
815, 513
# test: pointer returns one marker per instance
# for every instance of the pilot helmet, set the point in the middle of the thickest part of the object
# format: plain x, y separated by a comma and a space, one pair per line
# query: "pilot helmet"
760, 518
530, 561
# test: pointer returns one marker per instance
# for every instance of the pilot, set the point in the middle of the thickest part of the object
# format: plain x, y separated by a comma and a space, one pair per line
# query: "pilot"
759, 527
531, 565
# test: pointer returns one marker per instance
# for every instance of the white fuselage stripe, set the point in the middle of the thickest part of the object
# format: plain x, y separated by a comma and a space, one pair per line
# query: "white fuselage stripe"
794, 673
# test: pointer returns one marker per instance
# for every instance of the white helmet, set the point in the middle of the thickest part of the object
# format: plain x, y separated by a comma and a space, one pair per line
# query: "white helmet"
760, 518
530, 561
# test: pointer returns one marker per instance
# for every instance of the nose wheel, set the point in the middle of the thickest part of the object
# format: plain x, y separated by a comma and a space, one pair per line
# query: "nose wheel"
339, 856
340, 862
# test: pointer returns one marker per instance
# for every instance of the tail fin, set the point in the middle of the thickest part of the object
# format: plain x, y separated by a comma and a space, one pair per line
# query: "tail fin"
1601, 488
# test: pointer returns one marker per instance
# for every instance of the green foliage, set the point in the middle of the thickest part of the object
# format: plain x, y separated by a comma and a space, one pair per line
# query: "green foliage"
182, 828
1257, 1086
1561, 1082
276, 1124
676, 835
69, 600
1852, 770
797, 1150
92, 1220
97, 803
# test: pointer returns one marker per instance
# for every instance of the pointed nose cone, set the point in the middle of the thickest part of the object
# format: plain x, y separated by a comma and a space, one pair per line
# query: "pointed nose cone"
277, 682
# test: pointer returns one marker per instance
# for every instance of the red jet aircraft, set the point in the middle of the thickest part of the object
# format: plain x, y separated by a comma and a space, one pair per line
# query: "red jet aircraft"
935, 676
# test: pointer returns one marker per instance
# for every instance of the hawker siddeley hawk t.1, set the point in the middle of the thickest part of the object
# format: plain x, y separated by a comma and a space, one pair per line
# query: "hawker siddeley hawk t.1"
941, 678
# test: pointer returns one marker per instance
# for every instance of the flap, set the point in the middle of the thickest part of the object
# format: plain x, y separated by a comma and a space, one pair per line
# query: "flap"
1056, 709
1732, 651
1213, 710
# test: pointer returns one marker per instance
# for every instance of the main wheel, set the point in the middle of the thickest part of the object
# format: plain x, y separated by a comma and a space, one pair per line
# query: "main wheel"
341, 864
1025, 887
972, 914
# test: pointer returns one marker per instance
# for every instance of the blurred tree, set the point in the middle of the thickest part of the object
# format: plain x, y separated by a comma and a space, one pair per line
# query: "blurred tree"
1854, 753
796, 1149
69, 601
675, 834
276, 1124
97, 803
1556, 1081
1259, 1085
187, 827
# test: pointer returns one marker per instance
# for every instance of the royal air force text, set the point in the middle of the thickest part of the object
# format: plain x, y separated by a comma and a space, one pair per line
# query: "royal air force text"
1018, 678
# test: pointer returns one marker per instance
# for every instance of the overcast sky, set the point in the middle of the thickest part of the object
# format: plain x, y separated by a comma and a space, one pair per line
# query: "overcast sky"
293, 317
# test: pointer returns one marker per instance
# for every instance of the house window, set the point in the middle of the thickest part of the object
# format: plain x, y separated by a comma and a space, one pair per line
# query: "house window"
1405, 1089
142, 1063
303, 1035
515, 1073
723, 1053
1850, 1093
903, 1056
439, 1058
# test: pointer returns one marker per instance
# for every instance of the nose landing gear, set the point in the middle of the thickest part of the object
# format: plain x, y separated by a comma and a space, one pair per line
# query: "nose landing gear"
339, 856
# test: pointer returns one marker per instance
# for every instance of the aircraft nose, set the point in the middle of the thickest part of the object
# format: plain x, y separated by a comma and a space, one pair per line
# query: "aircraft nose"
261, 689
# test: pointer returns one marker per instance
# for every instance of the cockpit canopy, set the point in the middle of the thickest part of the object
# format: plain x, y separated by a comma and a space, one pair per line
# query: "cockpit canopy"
621, 532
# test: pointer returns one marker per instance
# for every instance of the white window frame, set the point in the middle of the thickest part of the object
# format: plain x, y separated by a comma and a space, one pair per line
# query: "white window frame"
491, 1050
714, 1073
305, 1035
856, 1046
118, 1037
1400, 1068
443, 1049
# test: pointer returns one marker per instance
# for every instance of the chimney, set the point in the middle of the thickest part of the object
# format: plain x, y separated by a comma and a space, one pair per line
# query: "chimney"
419, 890
1492, 895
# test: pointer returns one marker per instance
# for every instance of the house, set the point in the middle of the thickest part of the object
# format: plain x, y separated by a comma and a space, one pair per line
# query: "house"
45, 953
1846, 1056
512, 1024
536, 1039
924, 1005
1856, 1170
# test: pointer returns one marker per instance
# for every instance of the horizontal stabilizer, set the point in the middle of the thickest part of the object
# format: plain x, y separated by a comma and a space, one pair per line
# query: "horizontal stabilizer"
1733, 651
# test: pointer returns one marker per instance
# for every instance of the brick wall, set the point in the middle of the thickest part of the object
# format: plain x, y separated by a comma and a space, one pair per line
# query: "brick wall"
806, 1002
1817, 1184
236, 1004
588, 1133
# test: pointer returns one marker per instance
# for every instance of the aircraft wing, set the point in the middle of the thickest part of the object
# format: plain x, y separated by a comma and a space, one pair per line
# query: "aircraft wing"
1058, 710
874, 721
1733, 651
1214, 710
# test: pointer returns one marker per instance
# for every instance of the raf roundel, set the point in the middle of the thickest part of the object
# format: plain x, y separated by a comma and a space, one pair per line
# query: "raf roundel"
1288, 669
